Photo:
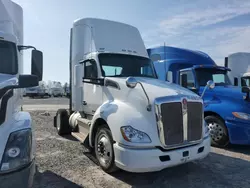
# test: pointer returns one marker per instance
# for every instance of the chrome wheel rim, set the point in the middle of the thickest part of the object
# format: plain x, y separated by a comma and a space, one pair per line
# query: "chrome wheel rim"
104, 150
216, 131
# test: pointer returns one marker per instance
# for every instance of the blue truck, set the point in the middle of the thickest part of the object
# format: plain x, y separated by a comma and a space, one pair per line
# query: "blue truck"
226, 107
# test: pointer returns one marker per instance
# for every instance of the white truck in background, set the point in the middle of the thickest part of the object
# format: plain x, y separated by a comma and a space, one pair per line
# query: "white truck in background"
17, 142
120, 109
56, 91
239, 63
38, 91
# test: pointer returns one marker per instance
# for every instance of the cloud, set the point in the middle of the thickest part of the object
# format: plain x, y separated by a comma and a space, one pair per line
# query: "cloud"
201, 29
205, 17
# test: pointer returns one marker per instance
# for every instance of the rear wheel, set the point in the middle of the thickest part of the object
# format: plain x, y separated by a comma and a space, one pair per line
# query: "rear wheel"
62, 122
218, 131
104, 149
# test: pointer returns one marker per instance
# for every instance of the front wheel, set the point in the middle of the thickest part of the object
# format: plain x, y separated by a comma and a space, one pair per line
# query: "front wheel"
218, 131
104, 149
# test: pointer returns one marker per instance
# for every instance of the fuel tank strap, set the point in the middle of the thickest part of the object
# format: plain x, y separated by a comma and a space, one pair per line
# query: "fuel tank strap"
5, 96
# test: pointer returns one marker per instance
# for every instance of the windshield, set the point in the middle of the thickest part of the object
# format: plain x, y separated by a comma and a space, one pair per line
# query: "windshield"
219, 77
119, 65
8, 58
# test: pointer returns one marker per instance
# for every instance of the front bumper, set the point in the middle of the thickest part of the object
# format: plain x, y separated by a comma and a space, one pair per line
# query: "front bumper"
21, 178
239, 132
149, 160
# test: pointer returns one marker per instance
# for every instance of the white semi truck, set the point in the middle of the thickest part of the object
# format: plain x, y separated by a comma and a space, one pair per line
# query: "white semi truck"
17, 142
239, 63
119, 108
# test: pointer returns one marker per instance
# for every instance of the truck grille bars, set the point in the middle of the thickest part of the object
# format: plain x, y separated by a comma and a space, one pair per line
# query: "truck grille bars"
180, 122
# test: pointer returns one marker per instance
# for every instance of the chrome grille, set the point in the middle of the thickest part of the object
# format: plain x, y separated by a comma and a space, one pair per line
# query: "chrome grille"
172, 115
195, 114
180, 121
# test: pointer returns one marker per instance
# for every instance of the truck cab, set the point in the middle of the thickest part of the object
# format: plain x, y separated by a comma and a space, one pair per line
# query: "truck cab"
120, 110
239, 63
245, 82
226, 107
17, 141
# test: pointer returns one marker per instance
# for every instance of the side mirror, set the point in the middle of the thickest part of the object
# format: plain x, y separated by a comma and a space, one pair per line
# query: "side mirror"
78, 76
184, 80
210, 84
37, 64
235, 81
25, 81
131, 82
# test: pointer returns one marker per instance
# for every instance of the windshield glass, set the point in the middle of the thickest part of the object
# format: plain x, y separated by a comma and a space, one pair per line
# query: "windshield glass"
8, 58
119, 65
219, 77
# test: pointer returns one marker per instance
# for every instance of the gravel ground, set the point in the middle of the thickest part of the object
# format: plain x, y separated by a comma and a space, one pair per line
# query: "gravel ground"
64, 162
46, 101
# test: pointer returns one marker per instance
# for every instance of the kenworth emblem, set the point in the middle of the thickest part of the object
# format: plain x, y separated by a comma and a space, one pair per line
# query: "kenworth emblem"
184, 104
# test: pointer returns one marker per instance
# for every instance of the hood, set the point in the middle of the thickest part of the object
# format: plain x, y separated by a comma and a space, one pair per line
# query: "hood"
154, 88
228, 91
6, 80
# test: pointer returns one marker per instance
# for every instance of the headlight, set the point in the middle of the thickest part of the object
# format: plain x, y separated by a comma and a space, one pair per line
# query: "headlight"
241, 115
17, 152
133, 135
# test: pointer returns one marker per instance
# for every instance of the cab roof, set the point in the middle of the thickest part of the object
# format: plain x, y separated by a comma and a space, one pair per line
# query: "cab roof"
173, 53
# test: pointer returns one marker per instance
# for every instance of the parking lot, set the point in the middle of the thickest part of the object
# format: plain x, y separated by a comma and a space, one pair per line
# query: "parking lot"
64, 162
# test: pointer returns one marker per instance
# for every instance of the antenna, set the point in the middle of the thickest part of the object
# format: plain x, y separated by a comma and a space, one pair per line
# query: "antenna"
164, 61
91, 31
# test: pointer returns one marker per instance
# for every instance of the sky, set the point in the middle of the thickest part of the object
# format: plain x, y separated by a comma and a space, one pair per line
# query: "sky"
217, 27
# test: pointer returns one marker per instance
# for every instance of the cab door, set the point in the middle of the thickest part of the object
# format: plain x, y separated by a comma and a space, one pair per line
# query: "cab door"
92, 88
189, 81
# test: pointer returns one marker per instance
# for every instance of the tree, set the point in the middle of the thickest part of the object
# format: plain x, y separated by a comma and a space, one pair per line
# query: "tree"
50, 83
65, 86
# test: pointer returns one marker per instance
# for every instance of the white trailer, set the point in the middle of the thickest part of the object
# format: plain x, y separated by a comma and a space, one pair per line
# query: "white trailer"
38, 91
120, 110
239, 63
17, 142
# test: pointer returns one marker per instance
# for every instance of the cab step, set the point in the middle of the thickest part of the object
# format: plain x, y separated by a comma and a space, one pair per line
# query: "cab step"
83, 130
83, 125
79, 136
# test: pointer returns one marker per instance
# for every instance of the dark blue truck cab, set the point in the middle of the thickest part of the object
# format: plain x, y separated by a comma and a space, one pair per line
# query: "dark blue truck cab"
226, 107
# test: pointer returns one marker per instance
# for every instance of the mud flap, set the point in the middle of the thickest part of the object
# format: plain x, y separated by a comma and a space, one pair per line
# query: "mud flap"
86, 143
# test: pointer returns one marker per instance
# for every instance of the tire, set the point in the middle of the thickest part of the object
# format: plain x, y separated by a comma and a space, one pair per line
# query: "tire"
103, 151
62, 122
218, 131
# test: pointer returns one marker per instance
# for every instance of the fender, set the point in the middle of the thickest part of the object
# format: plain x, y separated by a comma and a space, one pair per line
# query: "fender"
119, 113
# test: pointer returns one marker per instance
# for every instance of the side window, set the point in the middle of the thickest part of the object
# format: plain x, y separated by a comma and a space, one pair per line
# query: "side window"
190, 79
90, 69
218, 78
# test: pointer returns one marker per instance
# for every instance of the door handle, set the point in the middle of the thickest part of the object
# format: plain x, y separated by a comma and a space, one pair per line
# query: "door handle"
84, 103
